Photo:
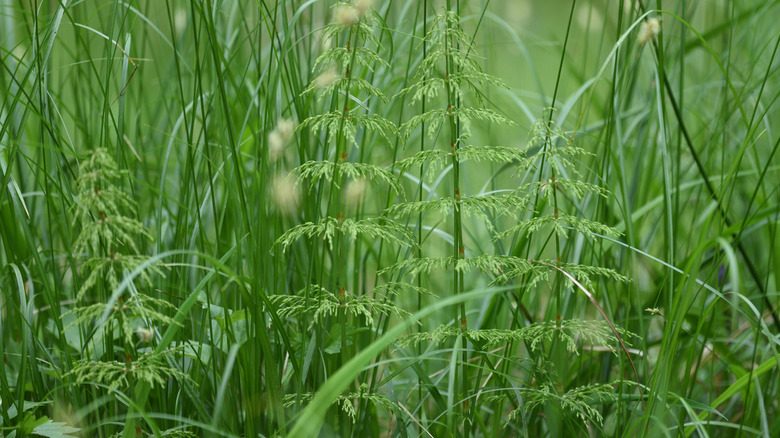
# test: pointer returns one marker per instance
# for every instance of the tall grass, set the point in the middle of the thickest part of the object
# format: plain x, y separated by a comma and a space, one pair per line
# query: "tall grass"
389, 218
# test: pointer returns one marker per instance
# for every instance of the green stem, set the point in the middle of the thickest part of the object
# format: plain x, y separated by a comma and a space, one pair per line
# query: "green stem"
340, 256
458, 246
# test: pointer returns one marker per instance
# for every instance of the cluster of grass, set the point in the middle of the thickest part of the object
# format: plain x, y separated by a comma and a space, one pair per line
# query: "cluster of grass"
389, 218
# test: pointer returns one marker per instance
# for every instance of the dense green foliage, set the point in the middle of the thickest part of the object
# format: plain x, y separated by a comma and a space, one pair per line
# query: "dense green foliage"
376, 218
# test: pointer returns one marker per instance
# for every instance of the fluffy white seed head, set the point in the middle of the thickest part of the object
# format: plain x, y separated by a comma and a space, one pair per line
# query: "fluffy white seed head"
356, 190
275, 145
326, 78
278, 138
347, 15
285, 194
286, 127
145, 334
180, 21
649, 30
363, 7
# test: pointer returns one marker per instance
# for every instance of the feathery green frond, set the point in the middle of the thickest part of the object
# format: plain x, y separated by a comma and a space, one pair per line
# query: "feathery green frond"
361, 28
394, 288
470, 205
561, 224
347, 402
137, 307
579, 401
323, 303
570, 332
151, 368
363, 57
570, 187
370, 228
438, 158
110, 270
535, 272
465, 115
318, 170
341, 82
416, 266
336, 121
492, 154
431, 87
99, 170
109, 232
91, 203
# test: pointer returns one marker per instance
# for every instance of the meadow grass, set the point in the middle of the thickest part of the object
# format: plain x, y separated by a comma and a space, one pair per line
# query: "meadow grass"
376, 218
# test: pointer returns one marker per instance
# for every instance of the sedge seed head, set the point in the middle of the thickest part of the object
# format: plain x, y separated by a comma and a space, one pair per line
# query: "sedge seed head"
278, 138
285, 127
275, 145
649, 30
364, 7
326, 78
347, 15
356, 190
180, 21
145, 334
285, 194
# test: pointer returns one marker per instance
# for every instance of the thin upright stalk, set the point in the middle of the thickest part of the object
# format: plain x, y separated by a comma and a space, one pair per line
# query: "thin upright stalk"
458, 245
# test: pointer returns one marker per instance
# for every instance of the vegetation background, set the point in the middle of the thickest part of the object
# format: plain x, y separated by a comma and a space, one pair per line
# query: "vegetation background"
424, 218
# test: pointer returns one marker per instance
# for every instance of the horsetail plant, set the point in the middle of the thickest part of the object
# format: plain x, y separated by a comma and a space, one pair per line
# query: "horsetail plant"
333, 303
109, 245
553, 199
451, 74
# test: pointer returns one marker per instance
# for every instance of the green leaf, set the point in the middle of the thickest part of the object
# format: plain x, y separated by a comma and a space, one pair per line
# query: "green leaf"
333, 343
12, 411
54, 430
